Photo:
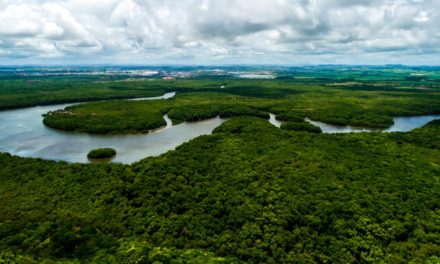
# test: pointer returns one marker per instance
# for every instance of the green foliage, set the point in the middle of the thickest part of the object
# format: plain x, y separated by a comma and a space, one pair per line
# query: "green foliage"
200, 112
101, 153
134, 251
301, 126
290, 100
249, 193
343, 115
113, 117
122, 117
31, 91
291, 116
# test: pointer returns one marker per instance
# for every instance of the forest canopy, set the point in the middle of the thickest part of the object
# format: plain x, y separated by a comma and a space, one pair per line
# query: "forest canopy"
371, 109
101, 153
249, 192
259, 195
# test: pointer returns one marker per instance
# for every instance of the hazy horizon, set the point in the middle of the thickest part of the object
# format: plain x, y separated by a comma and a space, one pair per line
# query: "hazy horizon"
214, 65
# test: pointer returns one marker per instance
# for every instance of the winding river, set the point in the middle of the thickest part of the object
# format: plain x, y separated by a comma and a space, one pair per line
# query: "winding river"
401, 124
23, 133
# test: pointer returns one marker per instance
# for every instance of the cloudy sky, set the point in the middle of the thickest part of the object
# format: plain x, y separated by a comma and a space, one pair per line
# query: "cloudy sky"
220, 31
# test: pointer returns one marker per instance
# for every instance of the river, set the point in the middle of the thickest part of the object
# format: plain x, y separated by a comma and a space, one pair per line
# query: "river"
401, 124
23, 133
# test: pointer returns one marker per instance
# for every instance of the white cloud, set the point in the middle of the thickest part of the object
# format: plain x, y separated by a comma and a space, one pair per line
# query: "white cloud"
220, 31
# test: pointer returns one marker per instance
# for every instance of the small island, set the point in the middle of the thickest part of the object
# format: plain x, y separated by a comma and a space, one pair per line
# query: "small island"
301, 126
101, 153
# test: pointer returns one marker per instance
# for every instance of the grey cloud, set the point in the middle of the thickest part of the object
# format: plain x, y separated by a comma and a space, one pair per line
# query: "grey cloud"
230, 29
215, 31
350, 3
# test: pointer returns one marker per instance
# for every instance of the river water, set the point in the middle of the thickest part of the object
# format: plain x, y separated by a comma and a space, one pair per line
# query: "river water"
274, 121
401, 124
23, 133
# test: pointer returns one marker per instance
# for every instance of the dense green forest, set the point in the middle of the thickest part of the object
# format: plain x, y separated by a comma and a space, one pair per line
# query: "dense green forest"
290, 101
249, 192
101, 153
18, 90
301, 126
30, 91
121, 117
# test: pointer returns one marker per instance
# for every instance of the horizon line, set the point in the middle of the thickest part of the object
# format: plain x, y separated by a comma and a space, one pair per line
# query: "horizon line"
215, 65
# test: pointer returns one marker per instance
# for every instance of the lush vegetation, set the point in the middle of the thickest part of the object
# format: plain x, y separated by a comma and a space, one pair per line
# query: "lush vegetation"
101, 153
291, 101
248, 193
121, 117
301, 126
35, 87
204, 111
29, 91
113, 117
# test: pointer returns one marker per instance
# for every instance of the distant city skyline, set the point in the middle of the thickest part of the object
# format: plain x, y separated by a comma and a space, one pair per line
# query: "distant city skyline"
219, 32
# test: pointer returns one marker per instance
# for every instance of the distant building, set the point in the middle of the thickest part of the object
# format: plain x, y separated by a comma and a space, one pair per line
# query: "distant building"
168, 78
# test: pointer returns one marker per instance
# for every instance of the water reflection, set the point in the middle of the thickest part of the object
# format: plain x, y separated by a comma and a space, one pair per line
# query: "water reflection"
328, 128
274, 121
22, 133
405, 124
401, 124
